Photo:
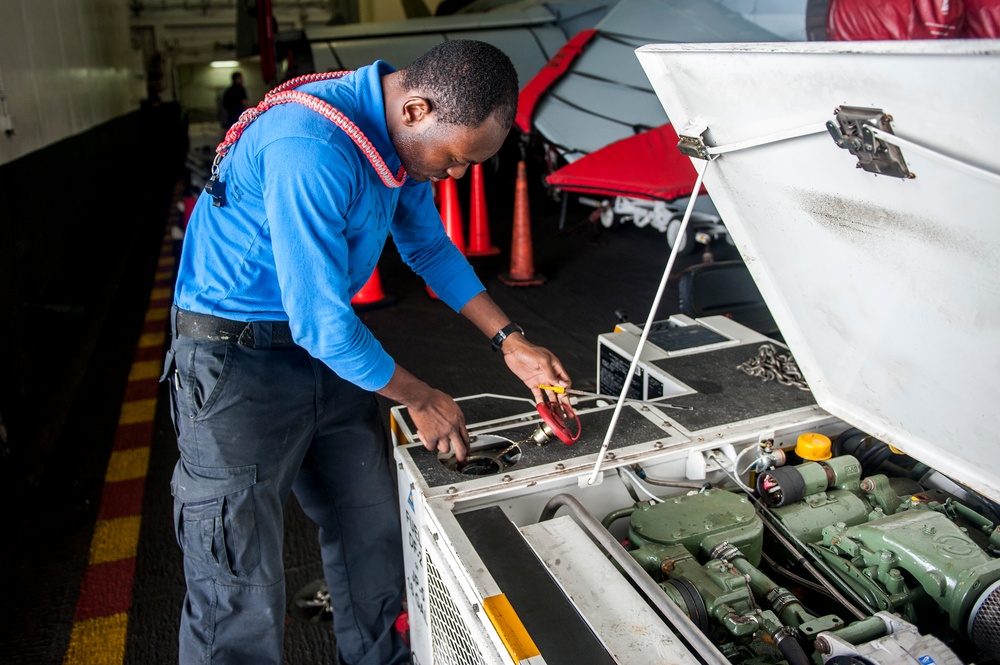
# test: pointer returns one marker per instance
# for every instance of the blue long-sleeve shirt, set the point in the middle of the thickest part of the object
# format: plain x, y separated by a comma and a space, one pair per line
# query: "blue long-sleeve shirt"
303, 226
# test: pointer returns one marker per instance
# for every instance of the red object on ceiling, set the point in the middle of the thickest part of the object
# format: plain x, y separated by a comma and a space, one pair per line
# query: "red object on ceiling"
546, 76
646, 166
265, 40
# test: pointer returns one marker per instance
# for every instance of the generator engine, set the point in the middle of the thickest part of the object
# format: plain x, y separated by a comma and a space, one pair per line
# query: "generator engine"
815, 562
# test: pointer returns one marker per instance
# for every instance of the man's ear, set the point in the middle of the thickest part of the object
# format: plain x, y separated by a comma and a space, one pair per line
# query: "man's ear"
416, 110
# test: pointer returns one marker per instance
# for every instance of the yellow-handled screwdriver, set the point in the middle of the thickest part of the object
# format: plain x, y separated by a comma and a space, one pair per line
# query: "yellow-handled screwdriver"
613, 398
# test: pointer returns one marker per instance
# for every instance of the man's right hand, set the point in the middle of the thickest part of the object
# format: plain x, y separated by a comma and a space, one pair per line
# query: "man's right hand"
441, 425
439, 420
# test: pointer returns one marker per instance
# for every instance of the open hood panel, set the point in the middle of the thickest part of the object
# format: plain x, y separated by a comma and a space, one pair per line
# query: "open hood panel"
880, 260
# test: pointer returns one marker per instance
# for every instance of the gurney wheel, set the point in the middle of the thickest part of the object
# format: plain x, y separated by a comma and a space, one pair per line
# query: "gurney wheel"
687, 241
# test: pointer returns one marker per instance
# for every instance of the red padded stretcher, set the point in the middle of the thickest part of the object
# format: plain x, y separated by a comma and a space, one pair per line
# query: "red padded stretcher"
646, 166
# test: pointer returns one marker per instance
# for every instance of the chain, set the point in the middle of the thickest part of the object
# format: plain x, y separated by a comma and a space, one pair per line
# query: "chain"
769, 365
284, 94
516, 444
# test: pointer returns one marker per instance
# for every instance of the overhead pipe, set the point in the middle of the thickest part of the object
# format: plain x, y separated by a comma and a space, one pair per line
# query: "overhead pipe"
265, 39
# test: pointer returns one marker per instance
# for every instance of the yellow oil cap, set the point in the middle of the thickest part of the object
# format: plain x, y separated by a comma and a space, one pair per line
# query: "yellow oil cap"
813, 446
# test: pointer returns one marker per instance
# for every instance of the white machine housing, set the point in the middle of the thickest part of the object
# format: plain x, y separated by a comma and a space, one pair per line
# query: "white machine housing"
885, 289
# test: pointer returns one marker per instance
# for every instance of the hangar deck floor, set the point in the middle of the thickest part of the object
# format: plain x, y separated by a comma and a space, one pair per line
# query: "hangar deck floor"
64, 580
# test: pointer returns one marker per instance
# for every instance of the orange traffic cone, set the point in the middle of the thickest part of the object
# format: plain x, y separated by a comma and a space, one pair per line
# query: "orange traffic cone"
451, 212
451, 216
479, 224
522, 264
371, 296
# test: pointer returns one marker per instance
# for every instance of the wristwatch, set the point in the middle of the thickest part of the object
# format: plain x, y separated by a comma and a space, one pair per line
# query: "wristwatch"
504, 333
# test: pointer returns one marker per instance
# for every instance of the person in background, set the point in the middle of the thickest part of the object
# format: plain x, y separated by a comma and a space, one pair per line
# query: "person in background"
272, 375
154, 79
235, 100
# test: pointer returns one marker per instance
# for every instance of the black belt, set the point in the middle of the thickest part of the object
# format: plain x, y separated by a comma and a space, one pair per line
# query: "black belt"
217, 329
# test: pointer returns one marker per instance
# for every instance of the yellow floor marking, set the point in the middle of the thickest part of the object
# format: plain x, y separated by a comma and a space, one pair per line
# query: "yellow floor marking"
162, 293
152, 339
127, 464
115, 539
137, 411
98, 641
145, 369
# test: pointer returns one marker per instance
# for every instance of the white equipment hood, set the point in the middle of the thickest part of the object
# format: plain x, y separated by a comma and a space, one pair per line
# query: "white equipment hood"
879, 257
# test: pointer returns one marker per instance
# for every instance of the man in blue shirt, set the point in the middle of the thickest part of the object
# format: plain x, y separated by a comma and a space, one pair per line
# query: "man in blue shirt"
272, 374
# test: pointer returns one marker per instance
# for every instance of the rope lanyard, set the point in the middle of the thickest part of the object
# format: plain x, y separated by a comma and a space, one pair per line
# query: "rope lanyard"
284, 94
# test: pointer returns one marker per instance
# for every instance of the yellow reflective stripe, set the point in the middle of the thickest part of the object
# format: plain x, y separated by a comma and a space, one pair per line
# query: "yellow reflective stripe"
394, 429
508, 625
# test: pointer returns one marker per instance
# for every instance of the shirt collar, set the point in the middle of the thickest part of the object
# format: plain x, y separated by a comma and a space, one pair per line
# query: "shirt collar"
372, 106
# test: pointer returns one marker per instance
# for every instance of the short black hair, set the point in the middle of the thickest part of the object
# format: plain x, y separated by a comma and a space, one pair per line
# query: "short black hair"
467, 81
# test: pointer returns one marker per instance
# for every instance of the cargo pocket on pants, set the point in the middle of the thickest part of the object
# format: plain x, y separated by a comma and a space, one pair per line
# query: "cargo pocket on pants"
215, 519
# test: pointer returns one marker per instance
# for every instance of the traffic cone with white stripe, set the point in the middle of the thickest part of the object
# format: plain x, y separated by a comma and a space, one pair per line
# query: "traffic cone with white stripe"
451, 217
479, 223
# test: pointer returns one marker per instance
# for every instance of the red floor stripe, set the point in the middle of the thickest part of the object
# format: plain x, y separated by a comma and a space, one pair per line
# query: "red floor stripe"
143, 388
144, 353
137, 435
106, 589
122, 498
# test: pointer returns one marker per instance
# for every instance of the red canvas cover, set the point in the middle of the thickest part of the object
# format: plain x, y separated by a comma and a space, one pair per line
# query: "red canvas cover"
853, 20
549, 74
644, 166
982, 19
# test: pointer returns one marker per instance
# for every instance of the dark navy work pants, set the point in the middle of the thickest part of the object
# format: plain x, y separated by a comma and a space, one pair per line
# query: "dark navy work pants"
254, 424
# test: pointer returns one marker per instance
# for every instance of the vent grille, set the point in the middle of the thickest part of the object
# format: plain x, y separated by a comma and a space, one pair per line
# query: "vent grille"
451, 641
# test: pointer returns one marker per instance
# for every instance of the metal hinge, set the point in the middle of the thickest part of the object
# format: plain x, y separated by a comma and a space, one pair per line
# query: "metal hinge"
852, 131
692, 141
